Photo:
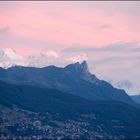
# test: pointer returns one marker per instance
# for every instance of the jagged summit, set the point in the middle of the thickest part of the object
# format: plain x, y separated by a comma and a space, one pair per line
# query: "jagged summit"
78, 67
84, 66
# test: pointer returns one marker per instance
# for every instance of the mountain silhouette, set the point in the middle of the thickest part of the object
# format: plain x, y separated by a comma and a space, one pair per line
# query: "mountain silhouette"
74, 78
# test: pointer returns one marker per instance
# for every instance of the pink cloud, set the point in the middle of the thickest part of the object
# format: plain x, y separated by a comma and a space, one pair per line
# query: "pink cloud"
66, 24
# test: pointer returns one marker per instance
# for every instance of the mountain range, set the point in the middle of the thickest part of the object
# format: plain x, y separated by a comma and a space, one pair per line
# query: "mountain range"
62, 102
74, 78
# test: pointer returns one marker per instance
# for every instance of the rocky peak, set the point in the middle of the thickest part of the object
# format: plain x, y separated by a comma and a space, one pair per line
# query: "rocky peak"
80, 69
84, 66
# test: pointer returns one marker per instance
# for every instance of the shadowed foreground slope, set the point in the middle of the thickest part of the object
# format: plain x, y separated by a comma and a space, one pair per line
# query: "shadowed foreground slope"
48, 113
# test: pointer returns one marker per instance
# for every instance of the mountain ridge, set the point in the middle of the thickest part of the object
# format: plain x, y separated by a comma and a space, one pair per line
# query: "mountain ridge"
74, 78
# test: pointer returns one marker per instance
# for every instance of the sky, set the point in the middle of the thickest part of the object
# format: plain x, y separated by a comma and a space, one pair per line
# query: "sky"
106, 34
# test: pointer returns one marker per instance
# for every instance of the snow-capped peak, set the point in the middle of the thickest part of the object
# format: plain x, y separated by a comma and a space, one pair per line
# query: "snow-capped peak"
9, 58
11, 54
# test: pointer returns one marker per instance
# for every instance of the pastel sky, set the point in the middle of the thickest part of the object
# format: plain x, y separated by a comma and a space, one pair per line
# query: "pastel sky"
107, 34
